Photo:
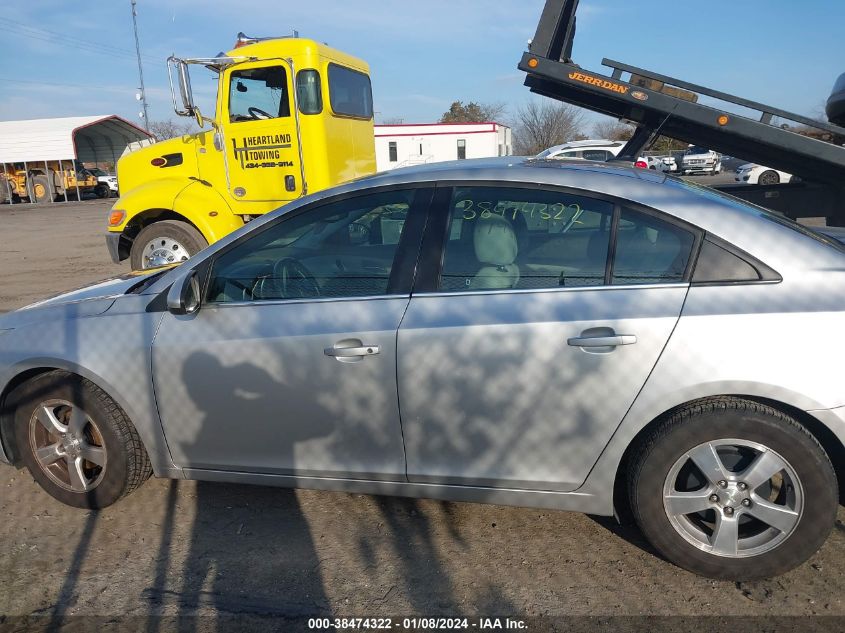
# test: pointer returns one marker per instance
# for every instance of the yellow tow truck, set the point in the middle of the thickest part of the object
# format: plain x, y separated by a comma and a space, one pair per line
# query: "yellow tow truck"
293, 116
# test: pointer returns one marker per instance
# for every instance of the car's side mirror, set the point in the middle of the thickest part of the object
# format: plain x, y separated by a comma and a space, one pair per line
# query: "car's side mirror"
184, 295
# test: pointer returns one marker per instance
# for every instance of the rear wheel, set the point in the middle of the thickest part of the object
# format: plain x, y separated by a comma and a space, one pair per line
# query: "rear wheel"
733, 489
769, 177
77, 443
165, 242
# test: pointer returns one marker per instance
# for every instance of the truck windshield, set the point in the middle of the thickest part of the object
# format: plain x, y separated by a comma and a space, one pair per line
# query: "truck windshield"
258, 93
698, 150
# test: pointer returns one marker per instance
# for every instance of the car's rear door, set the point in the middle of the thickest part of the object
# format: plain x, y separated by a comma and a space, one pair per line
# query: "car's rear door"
289, 367
519, 359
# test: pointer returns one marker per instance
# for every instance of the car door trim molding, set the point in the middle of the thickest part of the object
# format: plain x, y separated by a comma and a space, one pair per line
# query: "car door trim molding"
273, 302
522, 291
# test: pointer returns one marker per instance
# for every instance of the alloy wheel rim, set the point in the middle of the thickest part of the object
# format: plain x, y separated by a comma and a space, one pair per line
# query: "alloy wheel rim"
67, 445
163, 251
733, 498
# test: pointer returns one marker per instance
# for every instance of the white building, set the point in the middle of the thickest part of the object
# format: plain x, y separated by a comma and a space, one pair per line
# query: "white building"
413, 144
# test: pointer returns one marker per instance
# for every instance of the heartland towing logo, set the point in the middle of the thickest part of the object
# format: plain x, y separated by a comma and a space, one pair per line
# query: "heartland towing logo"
263, 151
604, 84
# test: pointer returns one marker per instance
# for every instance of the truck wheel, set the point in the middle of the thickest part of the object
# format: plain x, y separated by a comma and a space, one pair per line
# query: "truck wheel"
5, 191
102, 190
77, 443
769, 177
41, 189
165, 242
733, 489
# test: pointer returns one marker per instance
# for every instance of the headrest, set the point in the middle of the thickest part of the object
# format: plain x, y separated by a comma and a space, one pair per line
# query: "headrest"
495, 241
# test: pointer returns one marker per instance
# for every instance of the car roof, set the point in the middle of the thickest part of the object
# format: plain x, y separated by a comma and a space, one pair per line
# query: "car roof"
603, 142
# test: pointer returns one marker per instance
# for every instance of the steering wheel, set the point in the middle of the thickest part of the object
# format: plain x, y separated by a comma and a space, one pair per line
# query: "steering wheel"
255, 112
293, 280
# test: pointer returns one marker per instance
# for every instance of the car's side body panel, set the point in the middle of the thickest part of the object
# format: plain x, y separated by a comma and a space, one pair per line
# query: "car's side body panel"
493, 394
249, 387
112, 350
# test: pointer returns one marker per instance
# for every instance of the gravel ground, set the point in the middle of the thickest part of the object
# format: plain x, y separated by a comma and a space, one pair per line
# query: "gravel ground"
187, 548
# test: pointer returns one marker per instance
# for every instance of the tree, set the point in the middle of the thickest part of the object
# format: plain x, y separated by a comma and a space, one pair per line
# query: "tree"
164, 130
473, 112
613, 130
542, 124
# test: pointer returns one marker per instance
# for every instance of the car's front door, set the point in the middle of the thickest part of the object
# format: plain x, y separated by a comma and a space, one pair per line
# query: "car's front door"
522, 356
289, 366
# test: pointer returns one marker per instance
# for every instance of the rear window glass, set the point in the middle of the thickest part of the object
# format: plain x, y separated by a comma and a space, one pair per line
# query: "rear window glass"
350, 92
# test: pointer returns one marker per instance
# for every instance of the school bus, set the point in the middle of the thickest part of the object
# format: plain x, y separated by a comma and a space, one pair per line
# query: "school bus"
292, 116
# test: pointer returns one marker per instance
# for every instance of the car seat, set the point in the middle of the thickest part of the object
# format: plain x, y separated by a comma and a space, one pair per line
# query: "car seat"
496, 247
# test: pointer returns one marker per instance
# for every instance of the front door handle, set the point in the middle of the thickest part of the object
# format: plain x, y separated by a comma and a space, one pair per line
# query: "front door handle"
603, 341
348, 352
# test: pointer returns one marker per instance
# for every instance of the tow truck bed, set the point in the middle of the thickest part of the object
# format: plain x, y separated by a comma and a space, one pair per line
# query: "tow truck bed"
551, 72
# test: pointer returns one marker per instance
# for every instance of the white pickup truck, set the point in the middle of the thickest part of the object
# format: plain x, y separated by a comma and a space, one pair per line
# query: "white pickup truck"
699, 160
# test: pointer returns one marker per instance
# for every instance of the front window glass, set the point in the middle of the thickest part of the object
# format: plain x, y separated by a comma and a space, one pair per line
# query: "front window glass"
350, 92
258, 93
340, 249
510, 238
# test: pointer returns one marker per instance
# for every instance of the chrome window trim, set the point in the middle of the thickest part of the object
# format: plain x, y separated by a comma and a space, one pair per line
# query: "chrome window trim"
522, 291
259, 302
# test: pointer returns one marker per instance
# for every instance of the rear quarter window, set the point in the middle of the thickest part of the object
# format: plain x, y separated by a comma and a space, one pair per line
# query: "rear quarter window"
350, 92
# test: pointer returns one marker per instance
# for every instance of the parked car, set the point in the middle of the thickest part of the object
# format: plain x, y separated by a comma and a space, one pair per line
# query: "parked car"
757, 174
494, 331
596, 149
700, 160
107, 180
659, 163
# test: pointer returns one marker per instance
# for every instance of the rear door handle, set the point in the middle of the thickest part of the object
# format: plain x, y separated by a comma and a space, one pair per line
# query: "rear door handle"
350, 352
603, 341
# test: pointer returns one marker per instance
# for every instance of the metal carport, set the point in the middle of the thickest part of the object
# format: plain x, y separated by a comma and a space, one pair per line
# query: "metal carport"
87, 139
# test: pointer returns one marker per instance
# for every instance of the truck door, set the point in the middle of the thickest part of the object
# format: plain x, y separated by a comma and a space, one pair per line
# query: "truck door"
262, 141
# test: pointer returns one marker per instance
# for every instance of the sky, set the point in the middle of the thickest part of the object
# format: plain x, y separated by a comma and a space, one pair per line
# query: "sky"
67, 58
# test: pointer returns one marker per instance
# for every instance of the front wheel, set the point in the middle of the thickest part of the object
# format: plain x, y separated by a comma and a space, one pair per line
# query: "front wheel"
733, 489
77, 443
102, 190
165, 242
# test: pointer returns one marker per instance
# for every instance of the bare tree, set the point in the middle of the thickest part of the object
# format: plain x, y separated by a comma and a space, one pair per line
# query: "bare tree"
613, 130
393, 120
473, 112
541, 124
164, 130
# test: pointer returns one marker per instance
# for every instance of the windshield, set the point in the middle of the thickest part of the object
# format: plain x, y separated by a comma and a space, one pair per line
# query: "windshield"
698, 150
97, 172
544, 153
761, 212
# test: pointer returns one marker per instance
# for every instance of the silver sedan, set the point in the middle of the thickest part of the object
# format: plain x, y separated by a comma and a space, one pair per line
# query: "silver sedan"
583, 337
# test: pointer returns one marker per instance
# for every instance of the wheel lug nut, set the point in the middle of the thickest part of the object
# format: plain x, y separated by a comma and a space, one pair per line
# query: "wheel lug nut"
746, 503
714, 498
729, 511
723, 484
742, 485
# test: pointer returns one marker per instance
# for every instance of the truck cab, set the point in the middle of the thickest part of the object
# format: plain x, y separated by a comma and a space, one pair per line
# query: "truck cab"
292, 116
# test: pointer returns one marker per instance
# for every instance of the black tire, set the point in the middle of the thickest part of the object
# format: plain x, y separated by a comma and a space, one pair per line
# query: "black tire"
127, 464
768, 177
715, 419
41, 189
182, 232
102, 190
5, 191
